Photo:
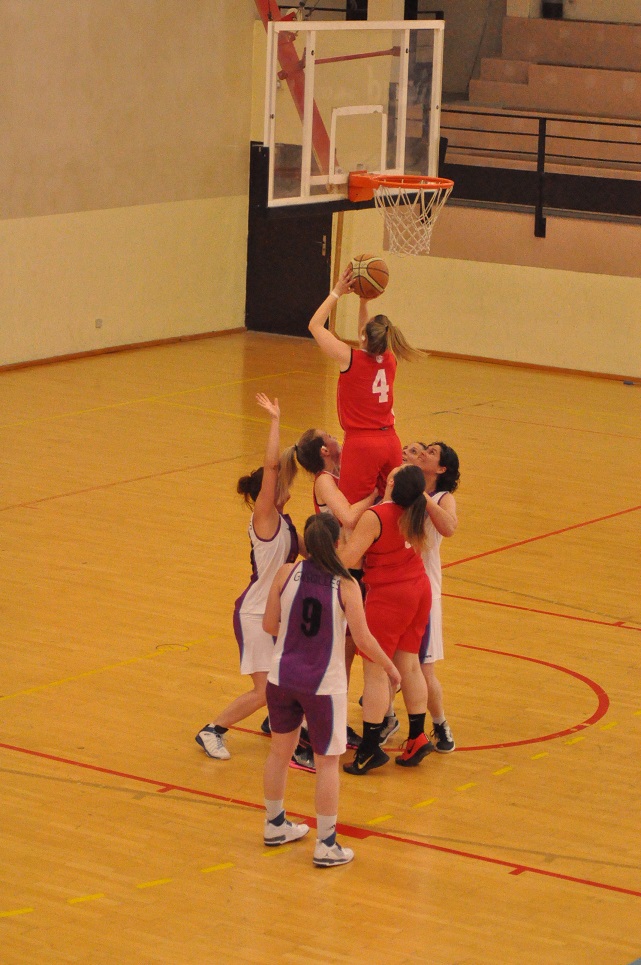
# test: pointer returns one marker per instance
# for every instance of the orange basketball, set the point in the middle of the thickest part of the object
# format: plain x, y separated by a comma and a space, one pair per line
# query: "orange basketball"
370, 275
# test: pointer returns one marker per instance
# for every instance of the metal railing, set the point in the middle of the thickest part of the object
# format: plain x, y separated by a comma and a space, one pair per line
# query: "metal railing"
531, 143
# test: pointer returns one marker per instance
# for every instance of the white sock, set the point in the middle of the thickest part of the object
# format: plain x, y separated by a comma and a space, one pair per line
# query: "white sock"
273, 808
438, 720
326, 827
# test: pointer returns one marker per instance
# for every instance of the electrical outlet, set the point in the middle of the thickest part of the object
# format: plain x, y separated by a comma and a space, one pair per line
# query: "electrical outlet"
98, 323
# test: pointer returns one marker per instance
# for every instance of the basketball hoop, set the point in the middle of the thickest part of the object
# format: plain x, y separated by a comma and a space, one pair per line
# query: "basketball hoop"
410, 204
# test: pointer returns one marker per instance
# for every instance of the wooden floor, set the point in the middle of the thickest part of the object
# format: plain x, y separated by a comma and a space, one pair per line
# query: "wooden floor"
123, 547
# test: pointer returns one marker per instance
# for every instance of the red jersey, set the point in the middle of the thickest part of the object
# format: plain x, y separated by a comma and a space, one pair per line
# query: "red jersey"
391, 559
365, 394
321, 507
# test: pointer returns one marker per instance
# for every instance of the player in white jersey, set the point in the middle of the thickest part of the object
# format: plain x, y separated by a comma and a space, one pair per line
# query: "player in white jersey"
273, 542
440, 466
308, 607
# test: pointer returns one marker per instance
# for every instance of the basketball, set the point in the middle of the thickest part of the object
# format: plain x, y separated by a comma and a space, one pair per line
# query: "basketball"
370, 275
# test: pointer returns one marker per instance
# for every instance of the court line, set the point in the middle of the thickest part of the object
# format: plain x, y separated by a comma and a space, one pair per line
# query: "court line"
161, 649
352, 831
603, 704
463, 411
603, 701
618, 624
151, 398
120, 482
534, 539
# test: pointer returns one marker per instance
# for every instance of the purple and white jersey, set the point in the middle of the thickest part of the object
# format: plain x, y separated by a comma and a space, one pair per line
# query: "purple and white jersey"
267, 557
309, 655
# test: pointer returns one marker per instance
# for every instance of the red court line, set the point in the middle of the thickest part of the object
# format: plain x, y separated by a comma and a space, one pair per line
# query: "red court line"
619, 624
603, 704
533, 539
346, 829
603, 701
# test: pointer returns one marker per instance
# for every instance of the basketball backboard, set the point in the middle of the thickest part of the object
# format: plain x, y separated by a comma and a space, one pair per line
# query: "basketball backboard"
341, 97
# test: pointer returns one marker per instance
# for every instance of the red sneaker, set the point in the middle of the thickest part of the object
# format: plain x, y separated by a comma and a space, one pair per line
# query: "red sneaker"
414, 751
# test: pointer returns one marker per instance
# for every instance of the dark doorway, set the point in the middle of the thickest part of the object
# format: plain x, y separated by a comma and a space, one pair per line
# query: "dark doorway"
288, 262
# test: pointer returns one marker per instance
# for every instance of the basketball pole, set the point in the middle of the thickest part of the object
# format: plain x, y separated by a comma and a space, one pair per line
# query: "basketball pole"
338, 254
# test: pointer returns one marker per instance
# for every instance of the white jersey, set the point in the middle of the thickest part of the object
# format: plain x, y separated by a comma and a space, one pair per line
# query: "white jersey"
267, 556
432, 561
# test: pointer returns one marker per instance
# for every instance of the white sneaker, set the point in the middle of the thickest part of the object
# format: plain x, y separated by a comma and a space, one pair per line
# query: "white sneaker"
283, 833
390, 725
212, 743
328, 857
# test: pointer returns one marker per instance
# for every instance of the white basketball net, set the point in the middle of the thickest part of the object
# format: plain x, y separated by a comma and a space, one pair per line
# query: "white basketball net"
410, 213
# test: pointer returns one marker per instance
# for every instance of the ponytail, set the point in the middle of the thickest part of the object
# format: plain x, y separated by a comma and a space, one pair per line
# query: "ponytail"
306, 452
381, 335
408, 491
321, 533
288, 467
249, 486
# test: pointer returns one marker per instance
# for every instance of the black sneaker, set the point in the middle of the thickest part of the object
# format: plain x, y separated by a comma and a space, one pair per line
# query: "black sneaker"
303, 759
443, 740
353, 740
266, 729
363, 763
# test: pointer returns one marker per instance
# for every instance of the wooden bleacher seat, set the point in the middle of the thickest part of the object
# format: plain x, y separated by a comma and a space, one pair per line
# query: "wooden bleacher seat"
572, 70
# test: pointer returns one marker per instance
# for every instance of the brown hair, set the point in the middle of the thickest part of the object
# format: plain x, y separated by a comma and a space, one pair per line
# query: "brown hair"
306, 452
321, 533
249, 486
408, 491
381, 335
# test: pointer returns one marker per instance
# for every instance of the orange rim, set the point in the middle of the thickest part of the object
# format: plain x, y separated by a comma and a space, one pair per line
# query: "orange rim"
416, 181
362, 185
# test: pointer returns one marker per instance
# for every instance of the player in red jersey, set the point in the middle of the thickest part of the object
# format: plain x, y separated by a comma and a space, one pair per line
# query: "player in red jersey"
365, 396
390, 537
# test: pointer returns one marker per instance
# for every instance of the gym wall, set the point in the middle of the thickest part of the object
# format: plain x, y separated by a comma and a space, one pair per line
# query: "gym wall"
124, 176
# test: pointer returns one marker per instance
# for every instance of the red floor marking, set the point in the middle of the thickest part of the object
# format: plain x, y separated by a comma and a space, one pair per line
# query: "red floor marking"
346, 829
533, 539
620, 624
603, 701
603, 704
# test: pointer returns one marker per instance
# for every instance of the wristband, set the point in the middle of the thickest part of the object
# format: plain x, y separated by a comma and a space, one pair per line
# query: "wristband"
334, 294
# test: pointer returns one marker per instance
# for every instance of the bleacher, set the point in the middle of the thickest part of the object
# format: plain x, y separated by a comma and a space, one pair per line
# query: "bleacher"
583, 77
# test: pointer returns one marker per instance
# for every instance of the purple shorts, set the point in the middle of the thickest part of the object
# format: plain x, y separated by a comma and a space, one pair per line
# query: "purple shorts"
325, 714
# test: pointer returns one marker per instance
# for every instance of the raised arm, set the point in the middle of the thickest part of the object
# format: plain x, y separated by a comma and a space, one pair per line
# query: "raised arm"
266, 515
443, 514
327, 341
361, 633
363, 317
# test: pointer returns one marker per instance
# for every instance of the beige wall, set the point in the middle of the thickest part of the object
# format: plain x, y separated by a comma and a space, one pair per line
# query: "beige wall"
517, 300
125, 127
147, 272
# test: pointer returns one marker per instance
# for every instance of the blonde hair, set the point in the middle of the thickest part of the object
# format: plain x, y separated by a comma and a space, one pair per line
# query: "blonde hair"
381, 335
305, 452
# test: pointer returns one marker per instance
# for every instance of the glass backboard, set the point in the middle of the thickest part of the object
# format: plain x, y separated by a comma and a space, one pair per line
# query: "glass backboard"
354, 96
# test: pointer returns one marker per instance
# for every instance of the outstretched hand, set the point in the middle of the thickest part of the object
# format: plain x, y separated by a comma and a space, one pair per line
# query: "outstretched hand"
272, 407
